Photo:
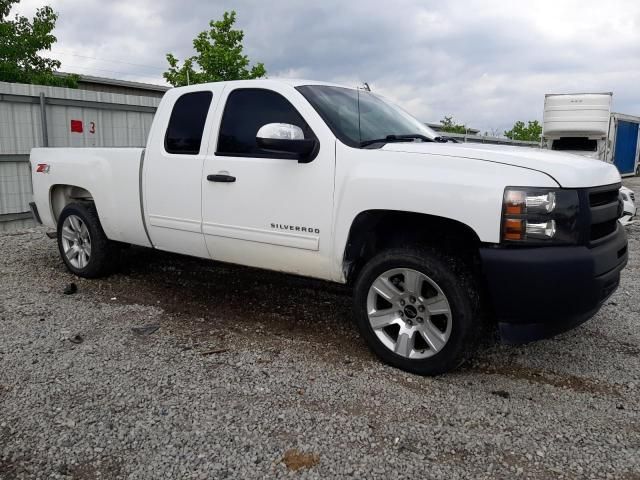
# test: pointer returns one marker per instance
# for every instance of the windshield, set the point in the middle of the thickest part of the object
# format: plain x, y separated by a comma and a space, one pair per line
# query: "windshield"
357, 116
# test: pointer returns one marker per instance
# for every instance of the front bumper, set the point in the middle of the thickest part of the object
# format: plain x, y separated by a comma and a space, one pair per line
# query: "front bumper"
539, 292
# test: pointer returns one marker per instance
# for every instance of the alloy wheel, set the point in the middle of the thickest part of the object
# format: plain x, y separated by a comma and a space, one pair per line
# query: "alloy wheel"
409, 313
76, 242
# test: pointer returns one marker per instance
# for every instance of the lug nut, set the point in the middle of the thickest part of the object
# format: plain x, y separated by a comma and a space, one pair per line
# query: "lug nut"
400, 313
421, 308
419, 319
402, 302
412, 299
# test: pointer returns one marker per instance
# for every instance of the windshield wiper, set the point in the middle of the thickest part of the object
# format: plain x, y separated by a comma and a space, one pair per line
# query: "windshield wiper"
443, 139
396, 138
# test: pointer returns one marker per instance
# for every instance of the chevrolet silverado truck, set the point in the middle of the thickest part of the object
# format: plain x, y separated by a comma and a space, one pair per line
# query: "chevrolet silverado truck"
323, 181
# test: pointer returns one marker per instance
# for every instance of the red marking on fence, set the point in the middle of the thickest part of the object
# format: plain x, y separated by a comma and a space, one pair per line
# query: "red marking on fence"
76, 126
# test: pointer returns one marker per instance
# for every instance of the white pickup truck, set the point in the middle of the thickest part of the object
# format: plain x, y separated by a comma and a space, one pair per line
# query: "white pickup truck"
339, 184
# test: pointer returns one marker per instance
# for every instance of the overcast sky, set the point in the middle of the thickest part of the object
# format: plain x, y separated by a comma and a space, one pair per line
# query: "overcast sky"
487, 63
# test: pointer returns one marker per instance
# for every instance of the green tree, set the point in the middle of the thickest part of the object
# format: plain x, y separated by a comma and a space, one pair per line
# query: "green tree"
218, 57
448, 125
531, 132
21, 40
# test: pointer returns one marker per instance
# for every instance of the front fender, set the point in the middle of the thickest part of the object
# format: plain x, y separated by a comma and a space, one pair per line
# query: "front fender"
465, 190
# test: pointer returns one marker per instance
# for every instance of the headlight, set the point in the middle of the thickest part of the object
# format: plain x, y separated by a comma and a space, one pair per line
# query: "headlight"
540, 216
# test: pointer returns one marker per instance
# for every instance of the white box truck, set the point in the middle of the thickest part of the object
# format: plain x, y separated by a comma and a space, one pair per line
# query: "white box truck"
583, 124
577, 123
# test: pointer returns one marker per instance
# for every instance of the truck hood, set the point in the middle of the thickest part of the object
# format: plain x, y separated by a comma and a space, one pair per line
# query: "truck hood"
569, 171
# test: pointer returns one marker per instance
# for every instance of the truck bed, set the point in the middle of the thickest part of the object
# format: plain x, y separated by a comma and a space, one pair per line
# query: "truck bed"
111, 176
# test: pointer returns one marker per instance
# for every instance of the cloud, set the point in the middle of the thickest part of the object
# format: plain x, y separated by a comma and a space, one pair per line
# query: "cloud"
487, 63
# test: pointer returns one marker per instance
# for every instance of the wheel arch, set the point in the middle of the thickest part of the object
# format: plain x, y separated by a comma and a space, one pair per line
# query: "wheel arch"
374, 230
61, 195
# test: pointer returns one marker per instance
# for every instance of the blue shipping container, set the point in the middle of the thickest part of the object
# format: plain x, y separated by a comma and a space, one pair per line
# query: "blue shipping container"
626, 147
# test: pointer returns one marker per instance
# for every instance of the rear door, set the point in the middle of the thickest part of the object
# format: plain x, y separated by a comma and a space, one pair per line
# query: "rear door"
173, 170
275, 213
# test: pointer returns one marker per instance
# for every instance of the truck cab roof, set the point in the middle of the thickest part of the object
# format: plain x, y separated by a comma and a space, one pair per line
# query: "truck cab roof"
293, 82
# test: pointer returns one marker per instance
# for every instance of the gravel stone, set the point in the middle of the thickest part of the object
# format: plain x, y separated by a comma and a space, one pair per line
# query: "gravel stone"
255, 374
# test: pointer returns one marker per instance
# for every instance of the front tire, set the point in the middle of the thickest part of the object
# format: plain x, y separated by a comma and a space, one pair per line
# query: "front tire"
83, 245
418, 309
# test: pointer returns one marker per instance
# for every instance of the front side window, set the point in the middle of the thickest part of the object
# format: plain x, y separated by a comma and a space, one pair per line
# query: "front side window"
246, 111
184, 132
357, 117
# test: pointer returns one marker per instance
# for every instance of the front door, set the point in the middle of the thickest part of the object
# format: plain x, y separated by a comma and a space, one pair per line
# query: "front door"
261, 208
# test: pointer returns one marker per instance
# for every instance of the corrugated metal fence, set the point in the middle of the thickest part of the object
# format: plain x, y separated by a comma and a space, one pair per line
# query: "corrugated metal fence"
39, 116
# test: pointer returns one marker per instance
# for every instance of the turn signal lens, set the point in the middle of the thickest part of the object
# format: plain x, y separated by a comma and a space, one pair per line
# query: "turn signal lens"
515, 202
513, 229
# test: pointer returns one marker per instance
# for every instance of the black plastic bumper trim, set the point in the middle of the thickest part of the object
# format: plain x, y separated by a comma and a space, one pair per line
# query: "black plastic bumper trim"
34, 212
538, 292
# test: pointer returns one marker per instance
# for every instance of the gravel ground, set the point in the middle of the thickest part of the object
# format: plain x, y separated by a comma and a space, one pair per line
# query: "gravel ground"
181, 368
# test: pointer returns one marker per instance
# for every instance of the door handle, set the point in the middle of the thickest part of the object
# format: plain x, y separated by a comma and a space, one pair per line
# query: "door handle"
219, 177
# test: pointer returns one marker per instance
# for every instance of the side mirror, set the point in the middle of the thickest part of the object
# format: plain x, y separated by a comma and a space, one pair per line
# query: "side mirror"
287, 139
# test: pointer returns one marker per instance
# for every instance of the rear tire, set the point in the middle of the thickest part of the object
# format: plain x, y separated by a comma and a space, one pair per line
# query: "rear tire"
418, 309
83, 245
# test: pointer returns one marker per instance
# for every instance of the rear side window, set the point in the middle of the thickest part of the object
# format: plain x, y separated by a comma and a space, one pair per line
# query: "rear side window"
575, 143
184, 133
246, 111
